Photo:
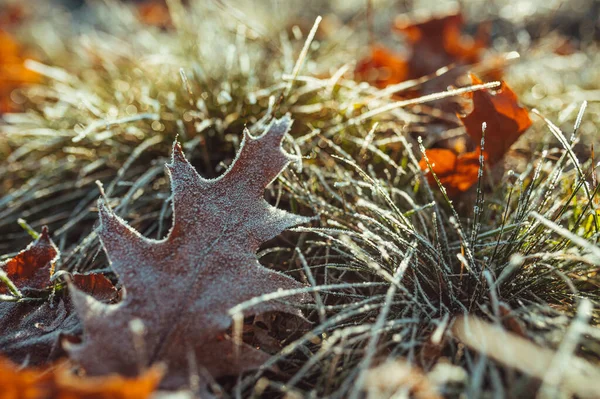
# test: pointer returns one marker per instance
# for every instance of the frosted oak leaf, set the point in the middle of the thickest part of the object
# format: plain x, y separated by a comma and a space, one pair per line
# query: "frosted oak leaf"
182, 287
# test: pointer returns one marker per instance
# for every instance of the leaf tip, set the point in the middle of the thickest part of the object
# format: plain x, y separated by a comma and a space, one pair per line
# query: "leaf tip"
177, 154
45, 234
279, 127
105, 213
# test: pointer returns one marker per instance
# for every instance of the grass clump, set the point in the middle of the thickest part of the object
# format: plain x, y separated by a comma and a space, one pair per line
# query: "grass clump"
392, 262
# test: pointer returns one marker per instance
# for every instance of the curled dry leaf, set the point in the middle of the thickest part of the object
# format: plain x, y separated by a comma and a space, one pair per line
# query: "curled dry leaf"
31, 325
60, 383
179, 290
33, 266
392, 377
506, 120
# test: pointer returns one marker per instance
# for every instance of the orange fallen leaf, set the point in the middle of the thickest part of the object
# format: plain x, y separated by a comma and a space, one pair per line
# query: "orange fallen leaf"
32, 267
13, 73
506, 120
456, 172
382, 68
434, 42
155, 13
60, 383
438, 41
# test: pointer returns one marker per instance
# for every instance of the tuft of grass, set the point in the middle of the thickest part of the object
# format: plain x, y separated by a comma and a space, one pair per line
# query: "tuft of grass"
391, 261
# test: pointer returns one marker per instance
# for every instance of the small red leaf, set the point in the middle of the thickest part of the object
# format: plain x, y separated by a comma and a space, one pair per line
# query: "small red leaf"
96, 285
505, 119
457, 173
33, 266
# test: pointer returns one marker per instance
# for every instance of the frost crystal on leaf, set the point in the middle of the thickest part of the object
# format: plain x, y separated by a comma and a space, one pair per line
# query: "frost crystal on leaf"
181, 287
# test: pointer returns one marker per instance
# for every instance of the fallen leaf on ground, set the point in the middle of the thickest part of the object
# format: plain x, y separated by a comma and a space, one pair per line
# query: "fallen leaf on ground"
392, 377
456, 172
179, 290
33, 266
96, 285
32, 325
155, 13
438, 41
60, 383
13, 73
506, 121
382, 68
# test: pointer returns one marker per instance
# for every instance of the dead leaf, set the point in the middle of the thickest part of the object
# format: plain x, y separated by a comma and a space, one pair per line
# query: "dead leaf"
456, 172
31, 327
577, 377
437, 41
33, 266
382, 68
60, 383
506, 120
13, 73
155, 13
181, 288
392, 377
96, 285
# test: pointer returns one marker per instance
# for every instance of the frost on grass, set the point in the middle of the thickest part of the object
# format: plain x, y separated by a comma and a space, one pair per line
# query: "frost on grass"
182, 287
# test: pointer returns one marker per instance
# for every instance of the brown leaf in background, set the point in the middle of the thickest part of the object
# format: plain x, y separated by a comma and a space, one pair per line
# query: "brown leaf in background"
155, 13
506, 120
382, 68
438, 41
60, 383
181, 288
13, 73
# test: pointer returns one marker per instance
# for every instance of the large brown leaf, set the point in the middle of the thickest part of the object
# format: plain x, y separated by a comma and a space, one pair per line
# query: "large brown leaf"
181, 288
